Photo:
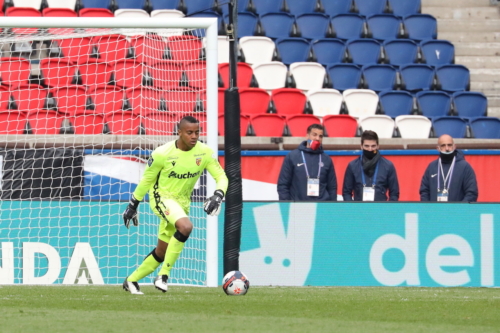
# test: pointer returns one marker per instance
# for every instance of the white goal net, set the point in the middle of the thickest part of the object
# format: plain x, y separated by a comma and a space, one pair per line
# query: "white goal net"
83, 103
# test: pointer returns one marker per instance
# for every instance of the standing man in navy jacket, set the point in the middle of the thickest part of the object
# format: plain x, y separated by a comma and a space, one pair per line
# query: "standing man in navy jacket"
307, 173
370, 176
450, 177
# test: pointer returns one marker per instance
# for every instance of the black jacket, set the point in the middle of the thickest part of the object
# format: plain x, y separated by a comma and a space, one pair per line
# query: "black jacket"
292, 182
387, 179
463, 185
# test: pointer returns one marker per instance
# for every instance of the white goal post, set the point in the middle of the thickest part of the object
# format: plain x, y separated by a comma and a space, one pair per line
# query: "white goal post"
17, 250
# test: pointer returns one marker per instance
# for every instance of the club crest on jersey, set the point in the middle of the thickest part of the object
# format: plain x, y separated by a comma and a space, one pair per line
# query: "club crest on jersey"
198, 161
150, 161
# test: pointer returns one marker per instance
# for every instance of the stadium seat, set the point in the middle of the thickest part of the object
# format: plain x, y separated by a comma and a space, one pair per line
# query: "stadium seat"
413, 127
12, 122
314, 25
404, 8
348, 26
308, 75
242, 7
433, 103
456, 127
293, 49
163, 4
222, 48
277, 25
160, 123
95, 12
200, 33
132, 13
370, 7
123, 123
270, 75
167, 13
14, 71
266, 6
145, 100
70, 4
74, 49
288, 101
107, 99
130, 4
57, 72
200, 5
5, 98
70, 99
300, 7
336, 7
437, 52
268, 125
244, 75
23, 11
396, 103
325, 101
485, 127
344, 76
417, 77
88, 123
380, 77
384, 26
196, 74
254, 101
257, 49
166, 74
470, 104
328, 50
95, 3
27, 97
421, 26
381, 124
247, 23
183, 100
340, 126
128, 73
185, 48
401, 52
36, 4
364, 51
360, 102
45, 122
453, 78
298, 124
111, 47
244, 123
149, 49
59, 12
93, 72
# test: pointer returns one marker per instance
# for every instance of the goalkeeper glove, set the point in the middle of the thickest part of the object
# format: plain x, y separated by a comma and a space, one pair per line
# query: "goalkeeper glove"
212, 204
131, 212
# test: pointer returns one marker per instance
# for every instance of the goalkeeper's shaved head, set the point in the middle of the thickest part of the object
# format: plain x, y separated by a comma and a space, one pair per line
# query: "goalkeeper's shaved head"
188, 120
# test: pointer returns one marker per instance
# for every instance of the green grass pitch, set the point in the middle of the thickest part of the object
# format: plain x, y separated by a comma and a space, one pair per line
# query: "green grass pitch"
264, 309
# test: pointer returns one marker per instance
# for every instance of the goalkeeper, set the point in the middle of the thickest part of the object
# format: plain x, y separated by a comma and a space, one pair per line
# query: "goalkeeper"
170, 177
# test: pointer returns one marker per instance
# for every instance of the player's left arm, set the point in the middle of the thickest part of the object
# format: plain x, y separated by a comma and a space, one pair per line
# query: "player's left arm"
213, 203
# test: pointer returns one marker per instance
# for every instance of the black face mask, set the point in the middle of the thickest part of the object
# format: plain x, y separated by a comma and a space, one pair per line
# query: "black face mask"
369, 154
447, 158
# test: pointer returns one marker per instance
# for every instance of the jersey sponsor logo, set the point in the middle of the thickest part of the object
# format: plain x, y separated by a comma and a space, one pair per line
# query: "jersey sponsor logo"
187, 175
198, 161
172, 158
150, 161
196, 155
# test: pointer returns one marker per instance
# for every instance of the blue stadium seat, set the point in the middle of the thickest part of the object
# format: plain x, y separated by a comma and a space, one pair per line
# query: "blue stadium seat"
437, 52
470, 104
247, 23
433, 103
454, 126
293, 49
164, 4
405, 7
421, 26
336, 7
313, 25
380, 77
384, 26
242, 7
401, 51
348, 26
299, 7
199, 5
329, 50
344, 76
364, 51
265, 6
453, 77
277, 25
130, 4
95, 4
417, 77
485, 127
370, 7
396, 103
208, 13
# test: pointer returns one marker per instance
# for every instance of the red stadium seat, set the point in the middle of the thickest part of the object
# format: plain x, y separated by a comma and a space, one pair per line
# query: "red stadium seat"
145, 100
15, 71
160, 123
59, 12
75, 49
70, 99
95, 12
107, 99
123, 123
128, 73
166, 74
12, 122
298, 124
149, 49
268, 125
340, 126
29, 97
182, 100
244, 122
57, 72
196, 73
23, 11
88, 123
185, 48
45, 122
289, 101
93, 72
254, 101
111, 47
244, 74
4, 97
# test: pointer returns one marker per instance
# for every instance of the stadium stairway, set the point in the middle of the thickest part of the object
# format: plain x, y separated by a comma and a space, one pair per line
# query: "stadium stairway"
473, 26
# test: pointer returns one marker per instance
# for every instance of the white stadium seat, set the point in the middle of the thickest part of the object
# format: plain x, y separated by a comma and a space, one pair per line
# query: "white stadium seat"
131, 13
270, 75
360, 102
325, 101
70, 4
257, 49
167, 13
381, 124
413, 127
308, 75
29, 3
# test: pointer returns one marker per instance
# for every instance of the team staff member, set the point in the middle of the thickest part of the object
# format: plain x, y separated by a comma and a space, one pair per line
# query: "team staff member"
370, 176
450, 177
307, 173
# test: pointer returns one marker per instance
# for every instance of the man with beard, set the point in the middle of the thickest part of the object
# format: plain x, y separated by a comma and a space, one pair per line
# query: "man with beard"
450, 177
370, 176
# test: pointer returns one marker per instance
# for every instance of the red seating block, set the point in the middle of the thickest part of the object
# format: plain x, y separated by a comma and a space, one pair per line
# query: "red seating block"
57, 72
128, 73
160, 123
88, 123
145, 100
14, 71
149, 49
75, 49
298, 124
289, 101
23, 11
107, 99
244, 74
45, 122
340, 126
182, 100
111, 47
268, 124
185, 48
29, 97
123, 123
12, 122
70, 99
254, 101
244, 122
94, 72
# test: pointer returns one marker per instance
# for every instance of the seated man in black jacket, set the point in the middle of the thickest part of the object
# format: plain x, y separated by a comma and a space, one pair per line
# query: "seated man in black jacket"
370, 176
307, 173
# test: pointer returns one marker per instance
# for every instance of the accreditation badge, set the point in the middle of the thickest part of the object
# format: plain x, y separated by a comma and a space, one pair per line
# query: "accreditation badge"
368, 194
313, 187
442, 196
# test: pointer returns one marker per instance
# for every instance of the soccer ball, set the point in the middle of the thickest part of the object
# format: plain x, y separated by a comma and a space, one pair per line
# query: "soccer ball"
235, 283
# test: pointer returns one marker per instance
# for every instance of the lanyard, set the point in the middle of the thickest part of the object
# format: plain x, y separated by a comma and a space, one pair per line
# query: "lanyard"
363, 174
450, 174
305, 165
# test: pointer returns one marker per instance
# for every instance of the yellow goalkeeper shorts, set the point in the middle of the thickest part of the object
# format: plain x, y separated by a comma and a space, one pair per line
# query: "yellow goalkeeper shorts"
169, 211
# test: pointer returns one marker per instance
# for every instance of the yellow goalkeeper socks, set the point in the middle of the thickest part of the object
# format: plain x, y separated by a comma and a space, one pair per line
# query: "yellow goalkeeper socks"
147, 267
174, 249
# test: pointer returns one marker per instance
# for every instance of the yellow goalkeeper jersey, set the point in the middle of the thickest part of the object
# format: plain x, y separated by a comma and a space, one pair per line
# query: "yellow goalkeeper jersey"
173, 172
